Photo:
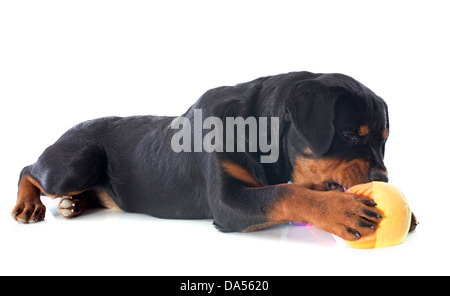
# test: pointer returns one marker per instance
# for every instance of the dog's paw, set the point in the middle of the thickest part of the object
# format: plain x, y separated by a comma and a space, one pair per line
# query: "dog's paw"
348, 216
28, 211
70, 207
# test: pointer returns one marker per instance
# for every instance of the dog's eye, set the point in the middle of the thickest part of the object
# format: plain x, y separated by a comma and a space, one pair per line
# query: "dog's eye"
350, 136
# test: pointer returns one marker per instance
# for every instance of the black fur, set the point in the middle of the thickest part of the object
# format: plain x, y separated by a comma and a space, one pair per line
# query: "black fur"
132, 160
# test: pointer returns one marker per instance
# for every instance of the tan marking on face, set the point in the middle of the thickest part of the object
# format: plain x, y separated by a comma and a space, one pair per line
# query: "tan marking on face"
314, 173
385, 134
363, 130
308, 151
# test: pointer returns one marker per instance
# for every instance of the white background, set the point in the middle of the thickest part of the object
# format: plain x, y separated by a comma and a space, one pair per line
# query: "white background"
63, 62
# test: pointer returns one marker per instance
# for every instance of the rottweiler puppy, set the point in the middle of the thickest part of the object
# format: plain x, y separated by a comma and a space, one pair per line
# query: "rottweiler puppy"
327, 132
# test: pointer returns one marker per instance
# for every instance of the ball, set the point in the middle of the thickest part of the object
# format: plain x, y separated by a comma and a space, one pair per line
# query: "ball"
394, 225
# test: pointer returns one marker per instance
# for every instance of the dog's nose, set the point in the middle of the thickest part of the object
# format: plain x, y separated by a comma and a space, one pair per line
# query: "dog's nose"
378, 176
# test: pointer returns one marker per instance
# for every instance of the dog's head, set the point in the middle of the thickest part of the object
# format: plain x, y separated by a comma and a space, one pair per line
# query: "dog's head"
337, 134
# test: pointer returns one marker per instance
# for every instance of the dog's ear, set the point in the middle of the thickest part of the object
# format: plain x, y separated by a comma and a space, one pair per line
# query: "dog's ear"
311, 109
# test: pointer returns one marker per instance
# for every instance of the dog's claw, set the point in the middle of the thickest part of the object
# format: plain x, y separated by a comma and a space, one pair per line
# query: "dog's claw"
365, 224
355, 233
372, 214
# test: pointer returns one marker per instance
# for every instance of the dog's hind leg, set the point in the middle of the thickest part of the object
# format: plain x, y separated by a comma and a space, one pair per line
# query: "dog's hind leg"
69, 169
29, 207
72, 206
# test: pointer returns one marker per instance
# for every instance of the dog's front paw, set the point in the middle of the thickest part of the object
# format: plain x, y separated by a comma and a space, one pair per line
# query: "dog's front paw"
348, 216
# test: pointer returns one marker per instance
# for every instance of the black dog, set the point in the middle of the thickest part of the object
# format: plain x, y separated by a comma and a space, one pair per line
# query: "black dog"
330, 135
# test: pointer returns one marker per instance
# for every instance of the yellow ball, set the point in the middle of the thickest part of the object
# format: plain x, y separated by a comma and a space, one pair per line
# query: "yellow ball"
395, 224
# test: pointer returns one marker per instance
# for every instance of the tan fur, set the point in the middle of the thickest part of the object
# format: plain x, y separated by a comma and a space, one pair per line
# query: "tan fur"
238, 172
105, 200
314, 173
363, 130
385, 134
